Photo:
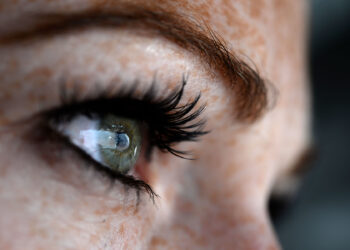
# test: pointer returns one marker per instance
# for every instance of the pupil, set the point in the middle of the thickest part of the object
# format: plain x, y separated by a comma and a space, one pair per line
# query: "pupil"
122, 141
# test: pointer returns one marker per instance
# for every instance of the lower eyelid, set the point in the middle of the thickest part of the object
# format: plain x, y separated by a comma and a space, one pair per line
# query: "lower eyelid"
68, 166
74, 157
136, 180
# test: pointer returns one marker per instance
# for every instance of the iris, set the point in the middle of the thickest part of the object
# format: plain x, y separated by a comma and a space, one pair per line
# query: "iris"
112, 141
119, 142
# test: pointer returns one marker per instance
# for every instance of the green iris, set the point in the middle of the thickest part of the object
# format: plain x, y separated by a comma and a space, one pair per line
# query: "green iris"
119, 142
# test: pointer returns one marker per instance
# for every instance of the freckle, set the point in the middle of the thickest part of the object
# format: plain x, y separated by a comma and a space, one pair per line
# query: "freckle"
232, 143
185, 207
191, 233
101, 68
4, 121
88, 60
121, 229
44, 191
6, 96
40, 72
257, 9
58, 197
241, 130
116, 209
77, 216
219, 116
156, 241
99, 212
205, 90
44, 204
12, 65
214, 98
3, 171
260, 159
93, 239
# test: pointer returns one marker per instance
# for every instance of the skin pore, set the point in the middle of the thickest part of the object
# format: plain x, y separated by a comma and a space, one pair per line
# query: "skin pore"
51, 200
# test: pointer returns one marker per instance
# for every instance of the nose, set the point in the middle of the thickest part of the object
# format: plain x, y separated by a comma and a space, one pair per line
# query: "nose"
199, 220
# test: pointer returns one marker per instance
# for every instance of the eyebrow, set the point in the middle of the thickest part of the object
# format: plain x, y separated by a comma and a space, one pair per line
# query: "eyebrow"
250, 89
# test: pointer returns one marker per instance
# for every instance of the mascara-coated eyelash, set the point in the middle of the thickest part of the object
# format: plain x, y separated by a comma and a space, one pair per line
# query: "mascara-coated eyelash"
167, 121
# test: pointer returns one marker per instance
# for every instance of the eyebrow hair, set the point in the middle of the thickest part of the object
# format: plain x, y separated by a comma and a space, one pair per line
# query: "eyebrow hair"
250, 89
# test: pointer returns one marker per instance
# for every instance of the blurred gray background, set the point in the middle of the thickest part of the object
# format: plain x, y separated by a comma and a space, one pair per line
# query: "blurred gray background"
319, 217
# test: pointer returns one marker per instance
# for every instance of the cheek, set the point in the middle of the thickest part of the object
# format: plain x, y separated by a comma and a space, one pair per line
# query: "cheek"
45, 207
205, 202
219, 199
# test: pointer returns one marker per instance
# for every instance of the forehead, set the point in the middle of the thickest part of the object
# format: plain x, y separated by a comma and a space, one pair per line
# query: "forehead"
223, 15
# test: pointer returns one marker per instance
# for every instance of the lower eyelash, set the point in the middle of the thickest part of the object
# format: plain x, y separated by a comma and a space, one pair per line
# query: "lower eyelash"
167, 121
128, 180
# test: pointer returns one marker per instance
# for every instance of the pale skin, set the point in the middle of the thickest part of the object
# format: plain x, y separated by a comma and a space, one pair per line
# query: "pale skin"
218, 201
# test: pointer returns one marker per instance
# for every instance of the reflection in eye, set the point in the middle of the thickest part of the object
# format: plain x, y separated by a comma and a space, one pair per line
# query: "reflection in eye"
113, 141
107, 127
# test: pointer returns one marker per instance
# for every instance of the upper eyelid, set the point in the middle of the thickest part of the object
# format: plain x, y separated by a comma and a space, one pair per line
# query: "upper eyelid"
172, 101
251, 92
167, 114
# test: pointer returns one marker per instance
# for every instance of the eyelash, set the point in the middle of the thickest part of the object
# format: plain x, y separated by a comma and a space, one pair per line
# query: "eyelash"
166, 120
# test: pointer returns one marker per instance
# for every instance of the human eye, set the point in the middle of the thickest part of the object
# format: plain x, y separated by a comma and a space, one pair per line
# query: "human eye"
116, 131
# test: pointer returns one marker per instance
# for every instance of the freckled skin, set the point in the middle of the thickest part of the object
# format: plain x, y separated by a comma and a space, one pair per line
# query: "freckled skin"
50, 201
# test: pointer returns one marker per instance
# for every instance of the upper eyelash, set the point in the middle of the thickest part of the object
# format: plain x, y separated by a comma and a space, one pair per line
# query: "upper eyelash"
168, 121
